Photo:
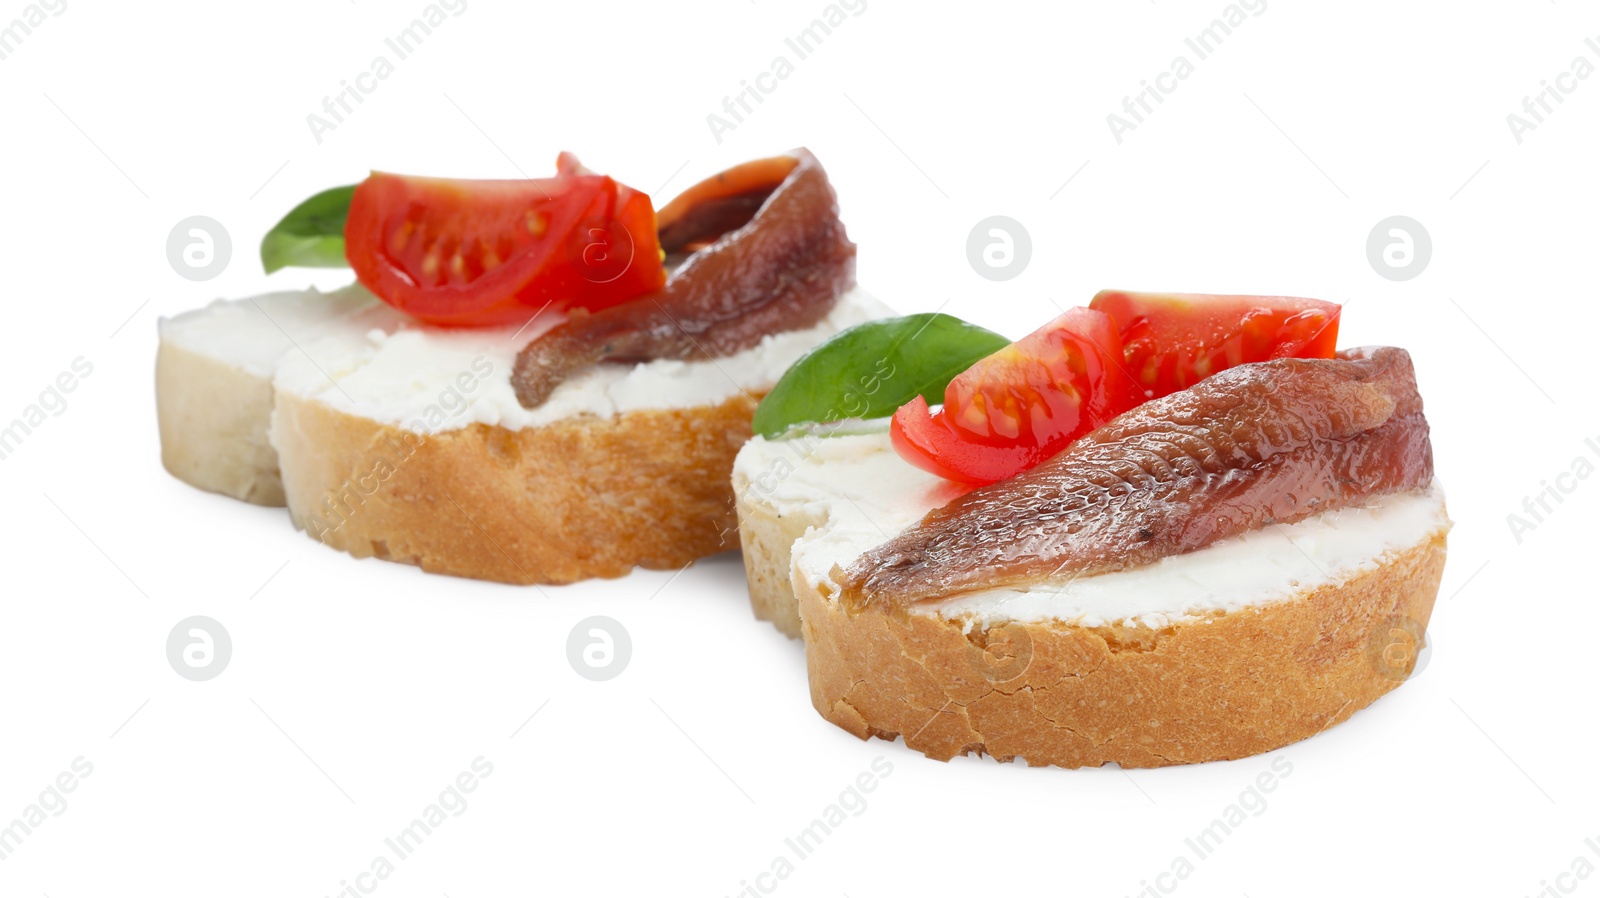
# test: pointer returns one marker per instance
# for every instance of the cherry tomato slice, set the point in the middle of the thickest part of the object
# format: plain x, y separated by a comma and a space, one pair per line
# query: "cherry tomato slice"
926, 440
475, 253
1021, 405
1172, 341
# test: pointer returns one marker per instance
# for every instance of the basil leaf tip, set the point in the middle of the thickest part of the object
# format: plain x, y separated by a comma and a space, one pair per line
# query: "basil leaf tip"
870, 370
311, 235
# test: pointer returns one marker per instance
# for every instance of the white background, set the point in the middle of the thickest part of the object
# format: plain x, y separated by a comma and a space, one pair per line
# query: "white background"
358, 690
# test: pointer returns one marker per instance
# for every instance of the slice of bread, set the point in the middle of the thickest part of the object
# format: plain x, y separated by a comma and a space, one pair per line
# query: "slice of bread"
392, 440
214, 370
1232, 650
586, 496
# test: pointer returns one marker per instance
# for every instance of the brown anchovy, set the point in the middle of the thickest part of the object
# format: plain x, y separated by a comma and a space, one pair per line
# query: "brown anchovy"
762, 250
1257, 445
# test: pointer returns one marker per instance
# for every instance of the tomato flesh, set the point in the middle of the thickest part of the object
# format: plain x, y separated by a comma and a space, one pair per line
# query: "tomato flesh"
1021, 405
926, 440
478, 253
1172, 341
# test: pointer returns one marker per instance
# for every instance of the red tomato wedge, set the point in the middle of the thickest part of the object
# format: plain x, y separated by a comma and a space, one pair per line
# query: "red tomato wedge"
1171, 341
476, 253
1021, 405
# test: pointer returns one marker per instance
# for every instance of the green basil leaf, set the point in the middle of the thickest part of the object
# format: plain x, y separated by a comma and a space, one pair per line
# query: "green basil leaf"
872, 369
311, 235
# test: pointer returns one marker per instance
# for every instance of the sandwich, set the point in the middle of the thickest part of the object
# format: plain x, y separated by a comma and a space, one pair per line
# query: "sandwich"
533, 381
1163, 529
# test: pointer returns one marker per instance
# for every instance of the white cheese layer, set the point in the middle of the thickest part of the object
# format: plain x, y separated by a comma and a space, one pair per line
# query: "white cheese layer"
867, 494
255, 334
354, 353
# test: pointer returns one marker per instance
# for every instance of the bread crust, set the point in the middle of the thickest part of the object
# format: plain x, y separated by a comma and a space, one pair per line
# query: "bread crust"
1225, 686
767, 539
579, 498
213, 422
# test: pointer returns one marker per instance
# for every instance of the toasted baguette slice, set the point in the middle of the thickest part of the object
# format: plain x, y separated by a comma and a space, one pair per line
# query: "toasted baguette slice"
214, 371
586, 496
407, 443
1239, 648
